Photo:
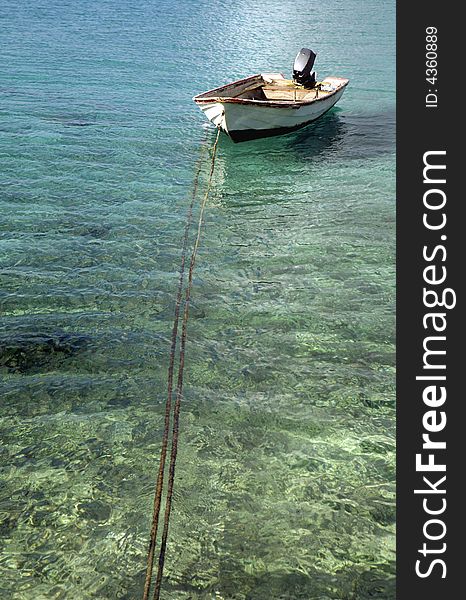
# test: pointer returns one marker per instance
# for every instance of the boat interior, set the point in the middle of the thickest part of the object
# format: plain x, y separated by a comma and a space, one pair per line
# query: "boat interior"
284, 90
272, 87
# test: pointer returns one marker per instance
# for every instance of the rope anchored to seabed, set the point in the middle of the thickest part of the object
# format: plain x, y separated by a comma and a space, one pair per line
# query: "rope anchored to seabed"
179, 386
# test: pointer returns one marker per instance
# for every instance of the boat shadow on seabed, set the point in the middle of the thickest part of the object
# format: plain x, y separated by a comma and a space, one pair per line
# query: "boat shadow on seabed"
336, 134
346, 136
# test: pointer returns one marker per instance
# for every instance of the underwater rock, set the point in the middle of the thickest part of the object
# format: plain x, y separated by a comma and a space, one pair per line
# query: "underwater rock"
374, 583
255, 374
72, 120
8, 525
96, 231
95, 510
383, 515
25, 352
119, 401
197, 313
77, 123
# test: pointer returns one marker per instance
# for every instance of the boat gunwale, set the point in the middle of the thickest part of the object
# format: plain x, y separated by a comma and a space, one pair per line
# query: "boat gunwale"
265, 103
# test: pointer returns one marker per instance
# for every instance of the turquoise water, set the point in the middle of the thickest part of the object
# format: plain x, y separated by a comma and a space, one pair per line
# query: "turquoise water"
285, 474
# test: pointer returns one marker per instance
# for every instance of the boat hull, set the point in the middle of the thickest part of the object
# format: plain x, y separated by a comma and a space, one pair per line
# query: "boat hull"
253, 123
246, 120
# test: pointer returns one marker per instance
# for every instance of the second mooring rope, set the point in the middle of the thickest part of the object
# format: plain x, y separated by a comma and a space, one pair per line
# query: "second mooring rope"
179, 389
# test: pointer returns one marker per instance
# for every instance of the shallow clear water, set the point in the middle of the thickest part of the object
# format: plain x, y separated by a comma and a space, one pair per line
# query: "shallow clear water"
285, 475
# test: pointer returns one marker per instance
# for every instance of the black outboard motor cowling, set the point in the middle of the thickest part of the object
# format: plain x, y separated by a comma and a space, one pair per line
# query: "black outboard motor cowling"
302, 68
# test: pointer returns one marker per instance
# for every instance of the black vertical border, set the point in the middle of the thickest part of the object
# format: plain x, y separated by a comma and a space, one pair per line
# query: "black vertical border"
421, 129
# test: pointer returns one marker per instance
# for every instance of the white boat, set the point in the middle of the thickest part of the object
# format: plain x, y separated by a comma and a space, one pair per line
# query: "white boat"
268, 104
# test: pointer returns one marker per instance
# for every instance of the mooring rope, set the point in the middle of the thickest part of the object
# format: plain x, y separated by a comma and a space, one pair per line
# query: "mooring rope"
174, 337
179, 388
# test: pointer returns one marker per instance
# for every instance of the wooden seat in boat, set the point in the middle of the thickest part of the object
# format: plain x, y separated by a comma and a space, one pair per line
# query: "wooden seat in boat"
288, 94
284, 90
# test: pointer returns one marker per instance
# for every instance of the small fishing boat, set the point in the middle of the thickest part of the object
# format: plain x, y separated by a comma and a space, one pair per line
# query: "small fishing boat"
268, 104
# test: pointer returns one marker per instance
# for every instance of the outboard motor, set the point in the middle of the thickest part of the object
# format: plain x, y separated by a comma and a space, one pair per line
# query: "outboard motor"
302, 68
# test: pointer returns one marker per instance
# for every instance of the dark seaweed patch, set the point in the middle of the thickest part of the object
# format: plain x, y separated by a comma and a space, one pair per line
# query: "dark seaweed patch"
23, 353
